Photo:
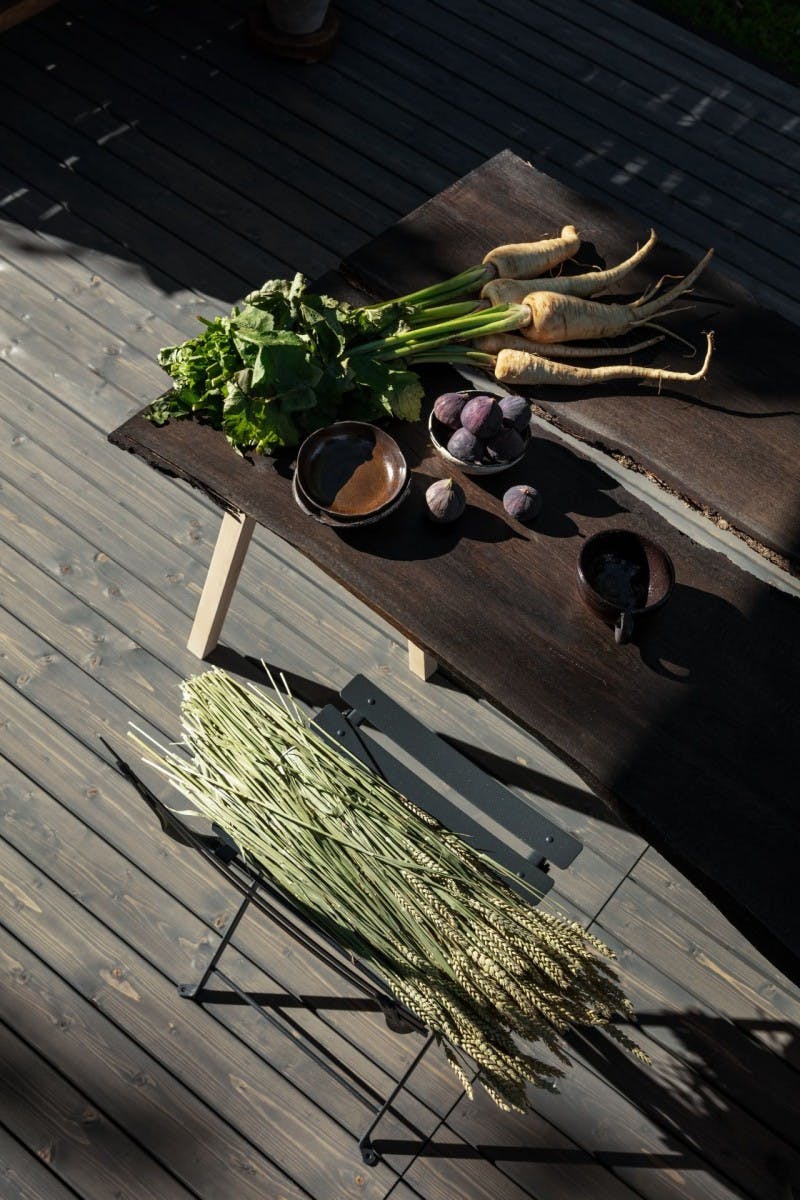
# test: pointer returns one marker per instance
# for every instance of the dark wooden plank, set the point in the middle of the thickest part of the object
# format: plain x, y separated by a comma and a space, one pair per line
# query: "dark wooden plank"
37, 228
83, 1147
391, 166
615, 715
171, 265
709, 180
25, 1175
733, 1146
109, 360
73, 283
273, 214
209, 119
586, 119
529, 1150
707, 969
755, 92
721, 1135
656, 875
187, 234
729, 445
160, 926
623, 69
648, 1155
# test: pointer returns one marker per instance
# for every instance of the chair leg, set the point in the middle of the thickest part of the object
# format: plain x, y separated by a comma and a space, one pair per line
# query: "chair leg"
193, 991
369, 1154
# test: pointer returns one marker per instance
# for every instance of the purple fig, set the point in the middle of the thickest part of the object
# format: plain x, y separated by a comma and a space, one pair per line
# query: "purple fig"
464, 446
445, 500
516, 412
522, 502
447, 408
481, 416
506, 446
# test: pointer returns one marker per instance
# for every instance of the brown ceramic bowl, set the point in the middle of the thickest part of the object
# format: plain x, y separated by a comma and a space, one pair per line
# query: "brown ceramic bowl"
348, 523
351, 470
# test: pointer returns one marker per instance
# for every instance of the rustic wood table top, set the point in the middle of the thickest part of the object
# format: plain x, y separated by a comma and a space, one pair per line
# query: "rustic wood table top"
688, 731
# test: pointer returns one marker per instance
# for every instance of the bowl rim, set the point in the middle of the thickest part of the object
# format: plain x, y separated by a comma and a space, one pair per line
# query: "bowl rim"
355, 427
337, 522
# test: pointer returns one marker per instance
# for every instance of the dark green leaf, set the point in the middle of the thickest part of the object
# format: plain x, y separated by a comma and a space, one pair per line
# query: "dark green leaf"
398, 390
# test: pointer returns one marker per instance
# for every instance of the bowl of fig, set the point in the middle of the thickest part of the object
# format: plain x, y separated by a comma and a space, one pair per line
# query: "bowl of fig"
479, 433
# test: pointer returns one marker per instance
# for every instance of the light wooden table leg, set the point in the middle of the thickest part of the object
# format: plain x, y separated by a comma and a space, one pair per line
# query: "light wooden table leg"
419, 662
223, 572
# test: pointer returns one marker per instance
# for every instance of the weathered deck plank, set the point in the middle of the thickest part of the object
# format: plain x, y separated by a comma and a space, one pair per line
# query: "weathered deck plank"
25, 1174
257, 1100
100, 1060
89, 1152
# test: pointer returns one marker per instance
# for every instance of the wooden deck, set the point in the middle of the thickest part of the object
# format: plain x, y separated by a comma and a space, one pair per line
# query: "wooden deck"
153, 168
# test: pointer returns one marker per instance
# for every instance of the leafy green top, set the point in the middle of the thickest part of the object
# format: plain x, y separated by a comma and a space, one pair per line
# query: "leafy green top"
280, 367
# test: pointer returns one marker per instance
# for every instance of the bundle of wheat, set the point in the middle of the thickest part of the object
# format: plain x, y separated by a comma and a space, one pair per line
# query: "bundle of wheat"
460, 948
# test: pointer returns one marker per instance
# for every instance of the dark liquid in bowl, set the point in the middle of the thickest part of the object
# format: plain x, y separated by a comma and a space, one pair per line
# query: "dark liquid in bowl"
619, 581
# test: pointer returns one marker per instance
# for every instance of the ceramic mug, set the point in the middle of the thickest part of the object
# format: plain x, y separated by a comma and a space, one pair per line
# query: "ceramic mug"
623, 575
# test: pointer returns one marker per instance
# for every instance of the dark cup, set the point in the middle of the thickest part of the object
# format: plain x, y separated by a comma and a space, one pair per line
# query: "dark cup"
623, 575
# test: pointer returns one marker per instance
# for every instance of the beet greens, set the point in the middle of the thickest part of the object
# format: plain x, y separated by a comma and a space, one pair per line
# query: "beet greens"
278, 367
289, 361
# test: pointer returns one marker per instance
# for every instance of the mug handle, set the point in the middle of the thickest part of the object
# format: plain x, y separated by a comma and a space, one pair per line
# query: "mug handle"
623, 630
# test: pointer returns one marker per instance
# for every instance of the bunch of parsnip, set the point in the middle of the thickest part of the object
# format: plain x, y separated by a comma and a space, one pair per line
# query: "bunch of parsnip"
290, 361
528, 319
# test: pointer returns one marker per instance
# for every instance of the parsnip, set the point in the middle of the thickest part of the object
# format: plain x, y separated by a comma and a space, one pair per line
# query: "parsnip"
523, 259
557, 318
520, 367
495, 342
514, 291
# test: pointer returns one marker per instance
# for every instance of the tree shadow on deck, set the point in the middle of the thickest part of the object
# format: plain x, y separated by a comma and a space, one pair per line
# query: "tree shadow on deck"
716, 1109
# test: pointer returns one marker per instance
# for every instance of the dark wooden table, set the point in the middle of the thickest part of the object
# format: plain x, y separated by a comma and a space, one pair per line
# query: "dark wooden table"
688, 731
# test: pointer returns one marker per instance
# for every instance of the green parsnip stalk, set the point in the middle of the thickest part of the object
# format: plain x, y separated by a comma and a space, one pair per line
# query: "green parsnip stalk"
456, 945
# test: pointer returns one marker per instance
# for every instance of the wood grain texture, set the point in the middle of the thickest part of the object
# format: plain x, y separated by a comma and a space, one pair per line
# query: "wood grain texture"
198, 1146
704, 967
718, 1054
83, 1147
582, 120
256, 1100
